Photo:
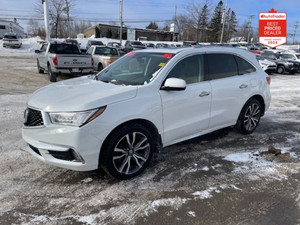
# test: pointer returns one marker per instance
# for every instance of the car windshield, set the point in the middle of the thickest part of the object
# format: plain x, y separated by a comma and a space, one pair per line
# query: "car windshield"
106, 51
135, 68
10, 37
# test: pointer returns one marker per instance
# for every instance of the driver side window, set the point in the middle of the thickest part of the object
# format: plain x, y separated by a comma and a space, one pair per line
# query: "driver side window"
190, 69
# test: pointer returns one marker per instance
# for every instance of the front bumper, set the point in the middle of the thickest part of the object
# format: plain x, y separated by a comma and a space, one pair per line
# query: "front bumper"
75, 148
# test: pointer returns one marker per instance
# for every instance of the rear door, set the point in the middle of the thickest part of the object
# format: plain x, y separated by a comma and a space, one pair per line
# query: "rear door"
230, 77
186, 113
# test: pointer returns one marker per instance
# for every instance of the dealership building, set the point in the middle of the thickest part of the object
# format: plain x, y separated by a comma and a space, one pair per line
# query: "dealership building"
112, 31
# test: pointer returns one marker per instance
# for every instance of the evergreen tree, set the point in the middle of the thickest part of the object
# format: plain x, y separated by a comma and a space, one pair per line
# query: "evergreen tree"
203, 22
152, 25
232, 24
215, 23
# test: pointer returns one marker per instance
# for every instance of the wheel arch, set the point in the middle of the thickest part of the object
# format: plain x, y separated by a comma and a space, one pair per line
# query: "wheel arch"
146, 123
261, 101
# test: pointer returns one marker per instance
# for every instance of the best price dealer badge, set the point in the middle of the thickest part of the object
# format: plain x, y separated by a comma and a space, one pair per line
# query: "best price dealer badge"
272, 28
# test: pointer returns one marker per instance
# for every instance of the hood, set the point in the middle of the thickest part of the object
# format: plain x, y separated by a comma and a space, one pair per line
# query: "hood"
268, 62
79, 94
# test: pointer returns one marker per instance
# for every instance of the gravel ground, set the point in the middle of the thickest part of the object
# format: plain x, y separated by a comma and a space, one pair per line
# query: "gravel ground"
220, 178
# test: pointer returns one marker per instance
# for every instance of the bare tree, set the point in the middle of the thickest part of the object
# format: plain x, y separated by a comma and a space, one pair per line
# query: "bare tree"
33, 27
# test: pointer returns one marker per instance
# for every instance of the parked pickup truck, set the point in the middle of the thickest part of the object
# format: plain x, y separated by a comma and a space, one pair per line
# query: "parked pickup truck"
62, 58
103, 56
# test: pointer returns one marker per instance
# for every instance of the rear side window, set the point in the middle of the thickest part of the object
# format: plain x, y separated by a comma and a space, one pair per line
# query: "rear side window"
244, 67
220, 66
2, 27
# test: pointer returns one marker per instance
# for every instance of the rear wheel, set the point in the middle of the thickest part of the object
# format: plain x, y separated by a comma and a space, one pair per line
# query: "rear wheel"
249, 117
100, 67
127, 152
52, 76
40, 70
280, 69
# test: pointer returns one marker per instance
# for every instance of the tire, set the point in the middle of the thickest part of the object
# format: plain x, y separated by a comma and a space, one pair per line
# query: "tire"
280, 69
40, 70
52, 76
249, 117
127, 152
100, 67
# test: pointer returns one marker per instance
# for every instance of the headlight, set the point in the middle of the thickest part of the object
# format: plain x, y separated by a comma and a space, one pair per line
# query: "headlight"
75, 118
264, 64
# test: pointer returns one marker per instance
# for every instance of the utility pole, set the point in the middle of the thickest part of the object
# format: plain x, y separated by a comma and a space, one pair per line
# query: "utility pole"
121, 20
223, 21
46, 20
174, 23
250, 26
295, 30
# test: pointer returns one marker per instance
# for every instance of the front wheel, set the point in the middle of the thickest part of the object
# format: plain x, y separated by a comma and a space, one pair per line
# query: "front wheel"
249, 117
280, 69
127, 152
52, 76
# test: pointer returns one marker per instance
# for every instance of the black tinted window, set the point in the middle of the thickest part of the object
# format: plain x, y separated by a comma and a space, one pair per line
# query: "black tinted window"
244, 66
64, 49
106, 51
189, 69
221, 66
2, 27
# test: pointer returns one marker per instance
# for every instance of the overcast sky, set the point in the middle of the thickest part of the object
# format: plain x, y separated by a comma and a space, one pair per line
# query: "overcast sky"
138, 13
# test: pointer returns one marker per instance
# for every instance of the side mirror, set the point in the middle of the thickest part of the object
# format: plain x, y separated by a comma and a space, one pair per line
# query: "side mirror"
174, 84
37, 51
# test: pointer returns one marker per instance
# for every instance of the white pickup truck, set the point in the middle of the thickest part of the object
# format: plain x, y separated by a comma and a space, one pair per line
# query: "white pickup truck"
103, 56
63, 58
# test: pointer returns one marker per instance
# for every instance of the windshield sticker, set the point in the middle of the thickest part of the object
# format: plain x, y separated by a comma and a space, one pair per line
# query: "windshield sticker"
167, 55
161, 64
131, 54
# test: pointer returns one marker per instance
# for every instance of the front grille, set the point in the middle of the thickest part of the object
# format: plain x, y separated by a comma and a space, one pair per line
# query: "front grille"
33, 118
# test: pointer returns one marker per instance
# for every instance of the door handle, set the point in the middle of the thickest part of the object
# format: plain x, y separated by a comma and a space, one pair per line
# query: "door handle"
242, 86
204, 93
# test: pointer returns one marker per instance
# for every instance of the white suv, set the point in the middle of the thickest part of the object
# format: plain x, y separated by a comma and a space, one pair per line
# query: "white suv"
145, 100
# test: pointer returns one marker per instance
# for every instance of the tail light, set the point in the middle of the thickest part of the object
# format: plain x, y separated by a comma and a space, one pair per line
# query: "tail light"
108, 61
268, 80
54, 60
92, 61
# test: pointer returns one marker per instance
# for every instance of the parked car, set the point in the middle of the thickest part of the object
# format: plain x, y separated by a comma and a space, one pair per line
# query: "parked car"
62, 58
267, 65
290, 56
150, 45
93, 42
147, 99
12, 40
133, 45
102, 56
162, 45
282, 65
114, 44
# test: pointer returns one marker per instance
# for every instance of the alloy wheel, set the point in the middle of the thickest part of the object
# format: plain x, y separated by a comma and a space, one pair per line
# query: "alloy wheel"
252, 117
131, 153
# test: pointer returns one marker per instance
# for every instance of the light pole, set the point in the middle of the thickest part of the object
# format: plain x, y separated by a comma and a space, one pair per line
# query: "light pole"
46, 20
121, 20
